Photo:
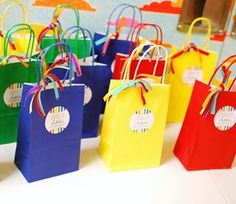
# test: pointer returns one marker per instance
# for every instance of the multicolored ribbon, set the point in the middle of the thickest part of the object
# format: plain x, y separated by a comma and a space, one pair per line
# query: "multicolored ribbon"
76, 65
55, 27
145, 87
106, 40
209, 105
36, 92
153, 78
56, 83
191, 46
76, 68
225, 73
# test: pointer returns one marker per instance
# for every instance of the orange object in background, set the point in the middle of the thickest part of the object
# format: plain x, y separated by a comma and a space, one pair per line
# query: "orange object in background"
79, 4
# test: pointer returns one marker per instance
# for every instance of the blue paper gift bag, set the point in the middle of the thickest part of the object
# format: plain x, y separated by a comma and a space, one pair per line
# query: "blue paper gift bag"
49, 137
95, 76
50, 146
115, 45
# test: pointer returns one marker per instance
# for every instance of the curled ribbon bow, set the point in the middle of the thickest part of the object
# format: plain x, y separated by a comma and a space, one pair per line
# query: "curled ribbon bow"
36, 92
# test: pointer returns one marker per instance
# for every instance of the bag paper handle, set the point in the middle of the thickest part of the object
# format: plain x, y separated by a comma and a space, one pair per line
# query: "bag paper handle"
72, 61
158, 47
60, 8
23, 8
53, 26
17, 28
134, 8
152, 46
123, 8
77, 29
137, 30
206, 44
227, 63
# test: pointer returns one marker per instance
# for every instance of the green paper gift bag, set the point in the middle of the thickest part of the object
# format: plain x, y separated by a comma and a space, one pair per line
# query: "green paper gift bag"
14, 71
52, 34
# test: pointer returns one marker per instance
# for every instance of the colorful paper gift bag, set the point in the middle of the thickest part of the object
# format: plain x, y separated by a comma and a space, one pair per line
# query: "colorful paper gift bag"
207, 139
14, 71
19, 39
186, 66
77, 43
50, 128
147, 64
108, 44
46, 38
134, 122
95, 76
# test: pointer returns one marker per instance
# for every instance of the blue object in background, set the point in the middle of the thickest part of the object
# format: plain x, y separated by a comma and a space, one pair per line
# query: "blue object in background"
96, 77
115, 46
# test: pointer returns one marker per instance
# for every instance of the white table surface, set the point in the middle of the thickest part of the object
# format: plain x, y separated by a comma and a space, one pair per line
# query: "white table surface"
168, 184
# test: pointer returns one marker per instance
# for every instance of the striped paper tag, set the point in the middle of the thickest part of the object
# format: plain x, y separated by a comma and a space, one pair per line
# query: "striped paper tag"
225, 118
12, 95
191, 75
57, 120
141, 121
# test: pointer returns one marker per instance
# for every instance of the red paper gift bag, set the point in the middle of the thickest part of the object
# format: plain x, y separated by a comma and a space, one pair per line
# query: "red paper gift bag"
207, 139
147, 64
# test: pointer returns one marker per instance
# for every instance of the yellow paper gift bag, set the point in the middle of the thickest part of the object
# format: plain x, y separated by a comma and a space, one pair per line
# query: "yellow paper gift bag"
185, 67
134, 122
19, 40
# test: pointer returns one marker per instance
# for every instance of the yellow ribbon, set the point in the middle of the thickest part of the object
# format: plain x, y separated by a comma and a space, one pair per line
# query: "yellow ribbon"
208, 98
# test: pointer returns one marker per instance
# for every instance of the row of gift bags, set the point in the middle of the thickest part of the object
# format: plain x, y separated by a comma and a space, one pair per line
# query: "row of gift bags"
141, 122
133, 128
132, 133
19, 44
81, 47
21, 39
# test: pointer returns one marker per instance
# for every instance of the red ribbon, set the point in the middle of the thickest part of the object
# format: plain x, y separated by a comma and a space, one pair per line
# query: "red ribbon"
37, 92
51, 26
191, 46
